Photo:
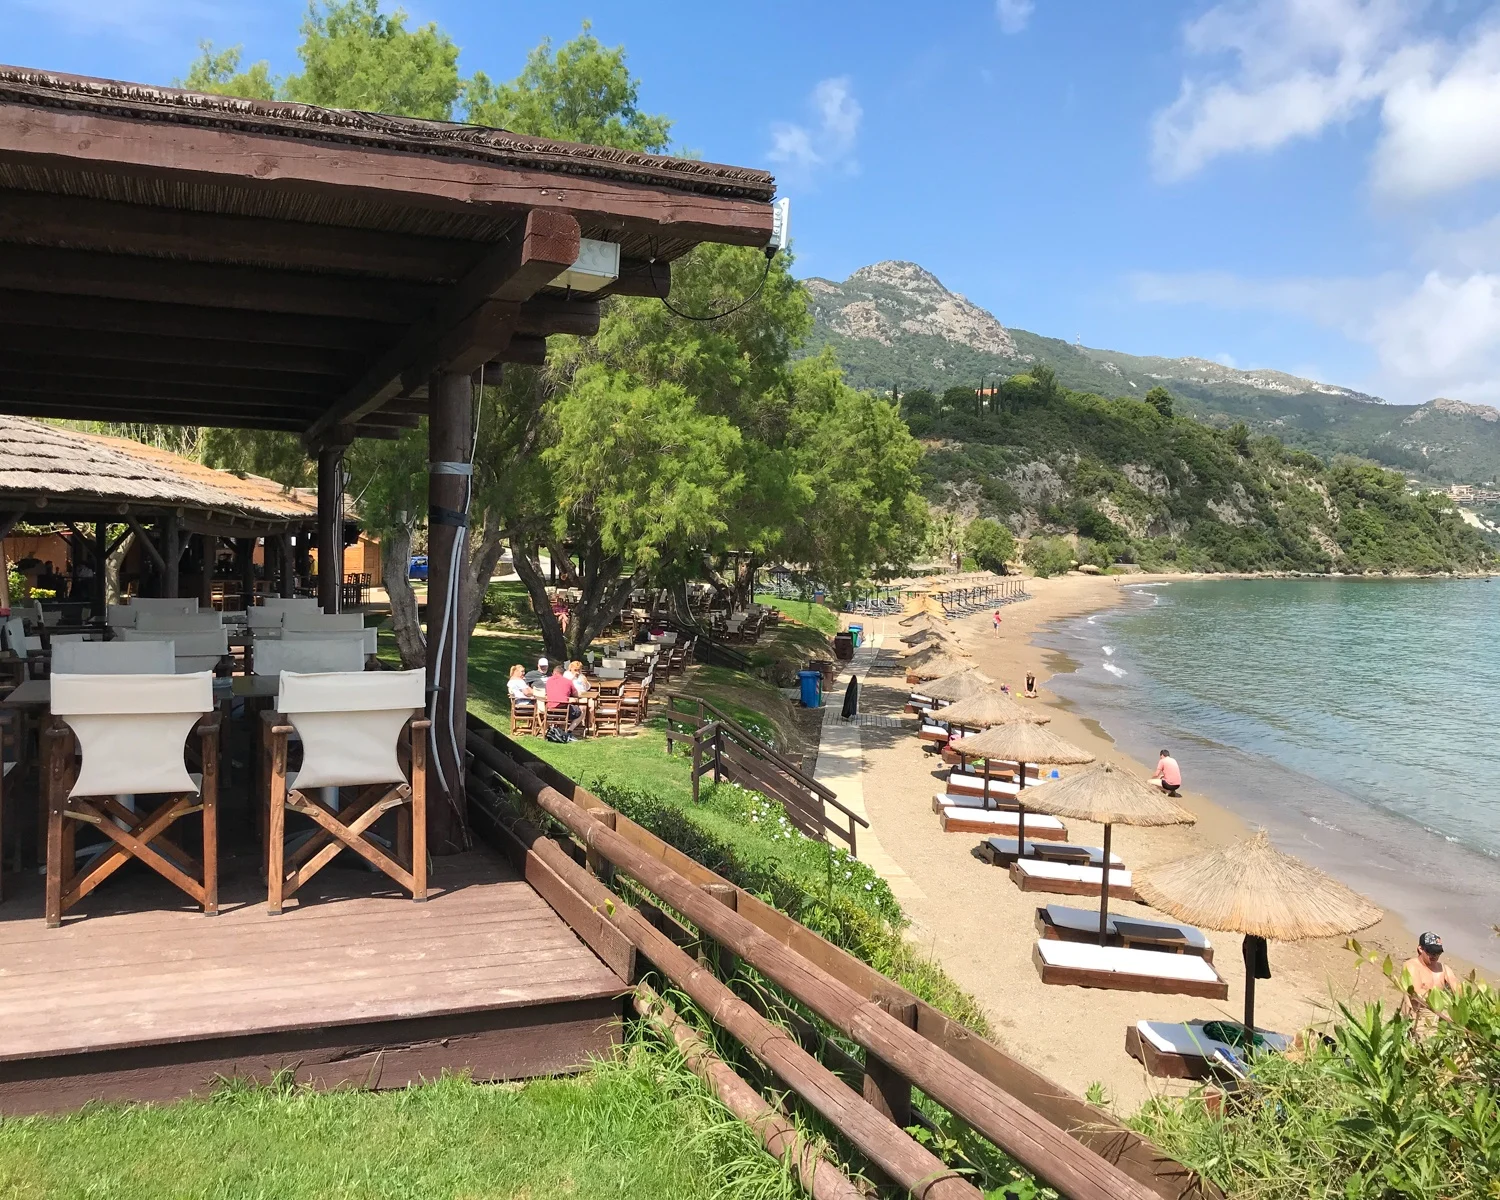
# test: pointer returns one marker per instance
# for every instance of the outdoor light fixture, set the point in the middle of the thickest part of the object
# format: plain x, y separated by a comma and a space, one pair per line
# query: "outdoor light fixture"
597, 264
781, 223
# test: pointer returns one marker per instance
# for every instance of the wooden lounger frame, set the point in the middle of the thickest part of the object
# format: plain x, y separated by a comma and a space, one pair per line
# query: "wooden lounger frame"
963, 825
1068, 887
1163, 1064
1115, 982
1056, 933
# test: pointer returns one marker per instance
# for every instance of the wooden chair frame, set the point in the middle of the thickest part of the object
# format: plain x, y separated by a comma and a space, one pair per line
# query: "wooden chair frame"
523, 722
136, 835
345, 828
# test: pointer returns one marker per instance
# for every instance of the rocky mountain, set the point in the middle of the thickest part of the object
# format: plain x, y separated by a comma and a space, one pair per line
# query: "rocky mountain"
894, 325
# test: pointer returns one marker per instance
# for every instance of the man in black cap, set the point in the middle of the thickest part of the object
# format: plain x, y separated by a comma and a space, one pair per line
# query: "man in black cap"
1425, 973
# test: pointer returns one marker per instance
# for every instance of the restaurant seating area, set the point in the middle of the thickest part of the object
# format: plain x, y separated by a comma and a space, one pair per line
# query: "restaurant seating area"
612, 694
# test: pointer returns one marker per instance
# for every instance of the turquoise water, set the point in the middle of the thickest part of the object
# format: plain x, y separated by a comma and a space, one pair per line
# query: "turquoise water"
1356, 720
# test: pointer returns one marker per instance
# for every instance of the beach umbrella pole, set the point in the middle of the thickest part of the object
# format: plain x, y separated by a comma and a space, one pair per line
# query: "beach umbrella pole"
1104, 889
1020, 810
1250, 957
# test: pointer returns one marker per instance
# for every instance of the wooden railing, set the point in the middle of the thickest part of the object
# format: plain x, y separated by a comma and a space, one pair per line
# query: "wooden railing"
724, 748
993, 1092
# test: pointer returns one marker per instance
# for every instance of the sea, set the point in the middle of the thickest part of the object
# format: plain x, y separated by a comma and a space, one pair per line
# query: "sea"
1357, 721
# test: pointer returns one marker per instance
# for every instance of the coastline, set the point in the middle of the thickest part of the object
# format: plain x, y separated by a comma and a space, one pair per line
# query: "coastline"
970, 916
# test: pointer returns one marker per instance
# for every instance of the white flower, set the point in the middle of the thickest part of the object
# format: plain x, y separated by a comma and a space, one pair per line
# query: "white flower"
753, 817
868, 886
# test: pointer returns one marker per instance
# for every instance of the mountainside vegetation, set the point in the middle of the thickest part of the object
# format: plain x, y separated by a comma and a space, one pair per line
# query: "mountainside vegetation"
895, 327
1138, 483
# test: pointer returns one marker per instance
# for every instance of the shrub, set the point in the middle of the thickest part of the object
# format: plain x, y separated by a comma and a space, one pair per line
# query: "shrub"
1048, 556
506, 606
993, 545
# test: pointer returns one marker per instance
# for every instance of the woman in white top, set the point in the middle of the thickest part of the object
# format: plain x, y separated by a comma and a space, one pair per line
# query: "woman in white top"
517, 686
574, 674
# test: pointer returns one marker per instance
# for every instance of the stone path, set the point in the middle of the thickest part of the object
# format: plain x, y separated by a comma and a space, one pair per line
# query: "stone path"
841, 764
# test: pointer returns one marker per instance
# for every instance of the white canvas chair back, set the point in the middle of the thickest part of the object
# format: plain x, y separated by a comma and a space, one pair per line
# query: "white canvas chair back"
49, 617
309, 656
112, 658
122, 616
366, 638
299, 620
17, 640
176, 622
284, 604
131, 729
164, 604
349, 723
60, 639
194, 651
264, 620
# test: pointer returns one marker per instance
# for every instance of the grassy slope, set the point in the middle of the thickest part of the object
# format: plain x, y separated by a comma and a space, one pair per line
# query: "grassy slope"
642, 1127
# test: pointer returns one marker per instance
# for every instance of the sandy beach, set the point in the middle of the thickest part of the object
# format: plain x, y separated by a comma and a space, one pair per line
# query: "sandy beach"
970, 917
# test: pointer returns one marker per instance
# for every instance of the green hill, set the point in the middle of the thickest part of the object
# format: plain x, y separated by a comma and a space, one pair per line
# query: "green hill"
894, 326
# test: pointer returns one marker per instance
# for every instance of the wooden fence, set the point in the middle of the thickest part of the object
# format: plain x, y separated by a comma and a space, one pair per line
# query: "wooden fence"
723, 748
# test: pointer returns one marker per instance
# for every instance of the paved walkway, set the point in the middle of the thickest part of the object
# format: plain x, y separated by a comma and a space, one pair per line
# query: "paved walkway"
841, 764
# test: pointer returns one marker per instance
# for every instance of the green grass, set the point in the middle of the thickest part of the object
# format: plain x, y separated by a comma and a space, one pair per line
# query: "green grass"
641, 1126
816, 616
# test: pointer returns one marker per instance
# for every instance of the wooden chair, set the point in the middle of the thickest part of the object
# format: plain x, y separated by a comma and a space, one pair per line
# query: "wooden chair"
353, 727
523, 715
607, 713
132, 730
633, 704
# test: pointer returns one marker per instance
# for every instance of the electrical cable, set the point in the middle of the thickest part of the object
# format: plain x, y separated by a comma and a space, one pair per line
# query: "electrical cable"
675, 311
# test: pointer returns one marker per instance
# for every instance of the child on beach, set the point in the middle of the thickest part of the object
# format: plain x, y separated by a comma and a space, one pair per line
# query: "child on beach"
1031, 685
996, 619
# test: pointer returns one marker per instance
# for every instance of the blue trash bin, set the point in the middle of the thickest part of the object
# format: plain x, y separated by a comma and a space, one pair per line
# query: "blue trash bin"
812, 688
859, 635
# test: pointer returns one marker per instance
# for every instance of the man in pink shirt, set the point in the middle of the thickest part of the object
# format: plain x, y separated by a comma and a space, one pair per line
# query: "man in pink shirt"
1169, 773
560, 695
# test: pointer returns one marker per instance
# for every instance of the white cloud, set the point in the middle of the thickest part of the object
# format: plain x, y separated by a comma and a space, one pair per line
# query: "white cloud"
1273, 71
1435, 336
1013, 14
828, 141
1226, 360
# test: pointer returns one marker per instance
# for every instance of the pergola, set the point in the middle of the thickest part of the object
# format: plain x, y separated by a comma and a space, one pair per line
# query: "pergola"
181, 258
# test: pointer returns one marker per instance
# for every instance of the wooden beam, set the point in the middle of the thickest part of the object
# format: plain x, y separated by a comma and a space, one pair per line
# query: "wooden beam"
209, 285
81, 365
528, 351
196, 394
39, 307
83, 223
473, 323
26, 404
640, 278
552, 314
8, 523
66, 345
229, 155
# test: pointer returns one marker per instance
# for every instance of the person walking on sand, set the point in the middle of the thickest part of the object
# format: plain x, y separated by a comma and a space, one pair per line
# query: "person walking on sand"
996, 620
1169, 773
1425, 974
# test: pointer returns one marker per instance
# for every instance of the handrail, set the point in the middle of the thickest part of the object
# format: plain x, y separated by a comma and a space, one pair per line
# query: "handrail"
758, 746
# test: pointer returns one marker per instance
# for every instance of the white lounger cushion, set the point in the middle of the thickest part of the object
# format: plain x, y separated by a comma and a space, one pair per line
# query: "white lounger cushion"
1086, 920
148, 657
349, 723
974, 784
1188, 1038
1118, 876
977, 801
931, 730
1008, 820
919, 700
309, 655
1114, 960
1007, 845
131, 729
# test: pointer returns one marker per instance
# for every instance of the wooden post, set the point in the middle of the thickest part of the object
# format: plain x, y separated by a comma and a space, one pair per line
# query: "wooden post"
724, 959
1104, 888
450, 431
330, 525
171, 553
288, 567
886, 1089
101, 559
603, 869
697, 762
244, 559
208, 549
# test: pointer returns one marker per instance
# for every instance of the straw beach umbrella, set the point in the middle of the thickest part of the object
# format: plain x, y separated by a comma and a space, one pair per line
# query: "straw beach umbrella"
1109, 796
1253, 888
1022, 743
936, 665
959, 686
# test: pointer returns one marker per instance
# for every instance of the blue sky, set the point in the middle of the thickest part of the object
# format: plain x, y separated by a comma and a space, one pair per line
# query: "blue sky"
1310, 185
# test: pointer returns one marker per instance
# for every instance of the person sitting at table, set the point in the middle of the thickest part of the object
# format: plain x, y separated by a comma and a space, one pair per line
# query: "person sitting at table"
520, 691
540, 674
560, 695
574, 675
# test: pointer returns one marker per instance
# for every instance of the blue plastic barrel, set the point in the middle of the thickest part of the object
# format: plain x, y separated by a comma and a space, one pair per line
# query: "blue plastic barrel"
859, 635
812, 688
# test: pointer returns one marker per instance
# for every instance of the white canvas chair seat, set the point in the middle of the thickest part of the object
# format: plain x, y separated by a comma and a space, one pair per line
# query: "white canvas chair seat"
131, 730
1114, 966
350, 725
366, 639
121, 616
194, 651
303, 620
262, 620
147, 657
309, 656
285, 604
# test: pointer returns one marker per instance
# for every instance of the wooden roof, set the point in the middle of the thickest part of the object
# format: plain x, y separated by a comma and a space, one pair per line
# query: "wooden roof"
54, 473
175, 257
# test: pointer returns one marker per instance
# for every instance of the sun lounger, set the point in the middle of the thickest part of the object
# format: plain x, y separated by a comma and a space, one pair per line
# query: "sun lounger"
998, 801
1039, 826
933, 733
1066, 879
976, 767
1084, 965
1001, 852
1057, 922
916, 702
1182, 1050
973, 785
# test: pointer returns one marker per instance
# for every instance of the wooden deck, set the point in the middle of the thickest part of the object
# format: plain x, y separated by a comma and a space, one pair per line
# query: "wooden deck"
139, 997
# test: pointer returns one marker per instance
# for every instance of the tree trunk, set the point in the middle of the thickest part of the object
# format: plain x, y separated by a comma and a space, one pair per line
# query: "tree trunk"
113, 564
484, 554
395, 563
528, 564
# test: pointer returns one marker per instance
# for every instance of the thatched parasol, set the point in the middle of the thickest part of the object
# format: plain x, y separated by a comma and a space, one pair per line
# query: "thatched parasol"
1022, 743
925, 634
961, 685
1111, 797
924, 618
937, 664
1253, 888
980, 710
